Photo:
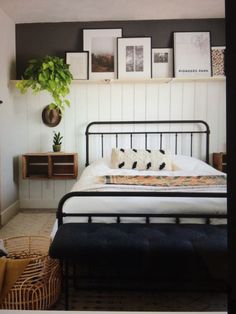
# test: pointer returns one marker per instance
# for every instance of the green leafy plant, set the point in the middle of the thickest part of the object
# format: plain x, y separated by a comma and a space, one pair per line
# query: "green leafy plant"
51, 74
57, 138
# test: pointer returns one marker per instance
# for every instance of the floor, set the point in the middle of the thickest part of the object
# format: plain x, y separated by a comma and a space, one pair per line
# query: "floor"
29, 222
40, 222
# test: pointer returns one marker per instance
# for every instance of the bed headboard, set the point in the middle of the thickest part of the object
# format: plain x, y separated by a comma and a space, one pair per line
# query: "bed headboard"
174, 134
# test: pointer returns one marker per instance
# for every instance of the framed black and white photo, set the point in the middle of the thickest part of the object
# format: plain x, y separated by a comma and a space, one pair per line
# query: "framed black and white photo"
218, 60
162, 62
78, 62
134, 57
101, 44
192, 54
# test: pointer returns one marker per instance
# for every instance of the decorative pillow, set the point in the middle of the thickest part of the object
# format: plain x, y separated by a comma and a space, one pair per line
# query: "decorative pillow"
140, 159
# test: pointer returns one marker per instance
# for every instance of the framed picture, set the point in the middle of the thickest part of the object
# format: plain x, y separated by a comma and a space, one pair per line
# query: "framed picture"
162, 62
134, 57
78, 62
192, 54
101, 44
218, 60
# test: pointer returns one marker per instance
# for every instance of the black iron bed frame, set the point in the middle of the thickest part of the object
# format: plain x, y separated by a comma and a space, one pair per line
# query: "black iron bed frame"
147, 216
102, 134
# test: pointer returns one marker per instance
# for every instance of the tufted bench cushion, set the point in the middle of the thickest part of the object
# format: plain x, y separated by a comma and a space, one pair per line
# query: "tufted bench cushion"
190, 251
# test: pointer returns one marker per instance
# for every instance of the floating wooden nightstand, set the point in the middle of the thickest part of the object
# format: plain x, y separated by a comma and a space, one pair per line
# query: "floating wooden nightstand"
50, 166
220, 161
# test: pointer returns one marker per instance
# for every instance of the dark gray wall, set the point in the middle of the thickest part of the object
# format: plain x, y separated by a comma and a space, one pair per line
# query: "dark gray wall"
40, 39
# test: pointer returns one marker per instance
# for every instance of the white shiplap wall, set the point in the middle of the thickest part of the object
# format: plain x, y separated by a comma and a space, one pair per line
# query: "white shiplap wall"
204, 100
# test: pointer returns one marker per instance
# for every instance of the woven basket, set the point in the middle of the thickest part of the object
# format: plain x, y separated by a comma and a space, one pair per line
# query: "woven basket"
38, 287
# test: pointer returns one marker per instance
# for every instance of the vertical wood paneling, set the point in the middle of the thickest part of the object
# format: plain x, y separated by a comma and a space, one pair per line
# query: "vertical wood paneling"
105, 115
176, 112
70, 122
46, 142
34, 141
127, 101
22, 105
116, 110
164, 109
201, 98
212, 113
152, 102
46, 134
139, 113
127, 110
59, 189
164, 101
116, 102
48, 187
69, 185
93, 115
81, 117
60, 186
188, 109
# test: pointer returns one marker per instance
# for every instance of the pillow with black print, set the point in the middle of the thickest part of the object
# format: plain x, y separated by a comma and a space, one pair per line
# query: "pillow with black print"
140, 159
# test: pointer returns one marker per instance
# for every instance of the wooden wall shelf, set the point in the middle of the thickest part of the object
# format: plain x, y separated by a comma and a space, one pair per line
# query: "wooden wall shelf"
49, 166
151, 80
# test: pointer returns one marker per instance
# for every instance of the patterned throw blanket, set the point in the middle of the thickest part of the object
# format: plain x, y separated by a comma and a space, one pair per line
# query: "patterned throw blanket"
166, 181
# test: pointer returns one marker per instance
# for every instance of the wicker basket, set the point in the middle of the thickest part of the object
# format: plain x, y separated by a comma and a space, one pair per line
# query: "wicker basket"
38, 287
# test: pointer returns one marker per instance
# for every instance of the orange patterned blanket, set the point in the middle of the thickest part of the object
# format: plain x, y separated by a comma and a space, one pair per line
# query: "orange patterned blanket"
166, 181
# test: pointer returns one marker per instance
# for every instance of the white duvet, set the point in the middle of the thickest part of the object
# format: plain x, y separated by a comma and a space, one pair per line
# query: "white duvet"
182, 166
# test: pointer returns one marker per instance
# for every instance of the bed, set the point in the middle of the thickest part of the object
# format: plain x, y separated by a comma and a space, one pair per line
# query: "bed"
91, 196
178, 216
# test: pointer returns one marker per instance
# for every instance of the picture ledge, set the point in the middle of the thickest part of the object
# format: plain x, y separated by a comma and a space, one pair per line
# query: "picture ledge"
151, 80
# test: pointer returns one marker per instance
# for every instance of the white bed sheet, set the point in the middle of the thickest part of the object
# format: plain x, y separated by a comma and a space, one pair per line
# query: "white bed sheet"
182, 166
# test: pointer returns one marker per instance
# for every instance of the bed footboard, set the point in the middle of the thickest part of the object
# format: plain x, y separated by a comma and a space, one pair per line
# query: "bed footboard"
208, 216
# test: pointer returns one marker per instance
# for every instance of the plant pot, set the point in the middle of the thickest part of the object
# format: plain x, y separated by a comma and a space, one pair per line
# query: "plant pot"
56, 148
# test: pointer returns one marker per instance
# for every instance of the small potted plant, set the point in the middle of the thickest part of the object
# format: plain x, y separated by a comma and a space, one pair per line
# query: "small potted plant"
51, 74
57, 142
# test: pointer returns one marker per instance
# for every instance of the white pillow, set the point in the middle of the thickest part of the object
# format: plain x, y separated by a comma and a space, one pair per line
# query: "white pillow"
187, 163
140, 159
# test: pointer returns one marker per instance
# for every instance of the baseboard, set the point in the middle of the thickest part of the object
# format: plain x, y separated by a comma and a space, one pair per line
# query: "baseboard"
9, 212
39, 204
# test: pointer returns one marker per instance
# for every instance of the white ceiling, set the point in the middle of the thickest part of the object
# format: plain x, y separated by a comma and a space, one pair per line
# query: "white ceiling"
33, 11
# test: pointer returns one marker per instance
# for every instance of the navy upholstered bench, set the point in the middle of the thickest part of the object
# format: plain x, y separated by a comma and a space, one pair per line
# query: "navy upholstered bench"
162, 252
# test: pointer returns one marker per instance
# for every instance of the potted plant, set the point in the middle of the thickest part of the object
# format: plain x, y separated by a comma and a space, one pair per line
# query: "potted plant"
57, 142
51, 74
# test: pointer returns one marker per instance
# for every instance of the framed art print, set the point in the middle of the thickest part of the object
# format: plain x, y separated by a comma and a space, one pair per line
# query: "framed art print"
101, 44
134, 57
162, 62
192, 54
218, 61
78, 62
